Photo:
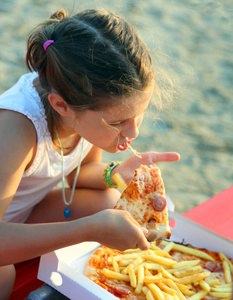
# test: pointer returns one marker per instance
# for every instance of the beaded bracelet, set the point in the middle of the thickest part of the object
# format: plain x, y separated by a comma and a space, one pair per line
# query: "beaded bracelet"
107, 174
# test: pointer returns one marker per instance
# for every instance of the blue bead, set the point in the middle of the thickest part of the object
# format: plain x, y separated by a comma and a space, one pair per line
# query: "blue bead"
67, 212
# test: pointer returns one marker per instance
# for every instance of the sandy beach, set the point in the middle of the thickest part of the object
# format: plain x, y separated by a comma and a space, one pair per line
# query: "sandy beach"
196, 40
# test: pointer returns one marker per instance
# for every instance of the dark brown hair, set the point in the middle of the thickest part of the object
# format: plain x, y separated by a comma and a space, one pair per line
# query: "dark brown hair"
95, 60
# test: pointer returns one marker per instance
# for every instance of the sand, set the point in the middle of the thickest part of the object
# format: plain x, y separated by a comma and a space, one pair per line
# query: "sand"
197, 41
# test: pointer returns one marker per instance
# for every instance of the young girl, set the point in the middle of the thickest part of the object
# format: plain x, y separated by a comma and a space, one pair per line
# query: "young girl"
91, 81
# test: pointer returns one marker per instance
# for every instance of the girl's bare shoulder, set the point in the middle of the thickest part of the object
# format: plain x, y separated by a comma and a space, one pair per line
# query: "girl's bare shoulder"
17, 131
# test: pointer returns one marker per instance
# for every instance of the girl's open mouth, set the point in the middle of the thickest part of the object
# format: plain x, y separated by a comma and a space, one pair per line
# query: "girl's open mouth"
124, 146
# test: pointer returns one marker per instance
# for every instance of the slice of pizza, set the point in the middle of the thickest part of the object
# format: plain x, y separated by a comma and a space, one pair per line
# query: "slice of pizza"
144, 199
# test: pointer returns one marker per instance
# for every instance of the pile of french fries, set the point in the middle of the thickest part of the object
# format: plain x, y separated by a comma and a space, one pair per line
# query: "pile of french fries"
160, 277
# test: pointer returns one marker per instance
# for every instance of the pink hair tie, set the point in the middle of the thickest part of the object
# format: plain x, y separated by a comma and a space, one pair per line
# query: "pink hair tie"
47, 43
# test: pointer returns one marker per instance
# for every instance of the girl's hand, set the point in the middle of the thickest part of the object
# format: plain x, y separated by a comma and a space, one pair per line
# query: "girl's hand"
116, 229
126, 169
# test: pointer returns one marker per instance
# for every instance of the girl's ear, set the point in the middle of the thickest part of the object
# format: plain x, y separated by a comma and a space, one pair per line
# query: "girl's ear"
59, 104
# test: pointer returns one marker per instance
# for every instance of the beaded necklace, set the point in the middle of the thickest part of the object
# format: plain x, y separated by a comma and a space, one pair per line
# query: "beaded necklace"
67, 210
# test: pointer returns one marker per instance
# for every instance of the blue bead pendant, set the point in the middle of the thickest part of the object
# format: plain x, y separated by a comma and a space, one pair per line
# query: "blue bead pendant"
67, 212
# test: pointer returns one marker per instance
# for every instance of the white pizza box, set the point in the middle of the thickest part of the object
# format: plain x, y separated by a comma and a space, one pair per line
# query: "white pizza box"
63, 269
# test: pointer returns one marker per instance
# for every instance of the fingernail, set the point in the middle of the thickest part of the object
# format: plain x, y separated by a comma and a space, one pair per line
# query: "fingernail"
144, 230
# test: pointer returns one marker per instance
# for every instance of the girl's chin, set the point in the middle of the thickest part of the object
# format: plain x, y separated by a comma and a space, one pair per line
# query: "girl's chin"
112, 150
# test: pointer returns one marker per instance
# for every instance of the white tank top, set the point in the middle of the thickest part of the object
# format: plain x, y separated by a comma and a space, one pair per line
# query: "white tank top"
45, 172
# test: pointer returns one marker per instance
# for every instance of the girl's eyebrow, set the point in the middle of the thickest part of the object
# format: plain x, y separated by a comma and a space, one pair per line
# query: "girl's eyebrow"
122, 120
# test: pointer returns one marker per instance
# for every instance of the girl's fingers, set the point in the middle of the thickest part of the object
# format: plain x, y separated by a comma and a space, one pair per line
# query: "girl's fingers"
144, 230
142, 242
154, 157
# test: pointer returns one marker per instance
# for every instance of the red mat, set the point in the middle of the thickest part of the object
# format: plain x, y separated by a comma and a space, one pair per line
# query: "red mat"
26, 279
215, 214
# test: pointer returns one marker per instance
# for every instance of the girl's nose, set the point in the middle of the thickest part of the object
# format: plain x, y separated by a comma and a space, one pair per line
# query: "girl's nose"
131, 131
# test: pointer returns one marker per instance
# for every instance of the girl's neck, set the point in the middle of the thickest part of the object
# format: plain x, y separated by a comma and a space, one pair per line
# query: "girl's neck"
69, 141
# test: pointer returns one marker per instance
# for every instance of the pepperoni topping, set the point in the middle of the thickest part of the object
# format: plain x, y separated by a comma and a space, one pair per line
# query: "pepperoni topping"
122, 290
213, 266
159, 203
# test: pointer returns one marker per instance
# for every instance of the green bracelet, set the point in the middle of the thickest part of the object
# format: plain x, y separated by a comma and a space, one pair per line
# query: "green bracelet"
107, 174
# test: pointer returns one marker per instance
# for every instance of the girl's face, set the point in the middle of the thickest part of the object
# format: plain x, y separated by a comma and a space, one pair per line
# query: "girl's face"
114, 128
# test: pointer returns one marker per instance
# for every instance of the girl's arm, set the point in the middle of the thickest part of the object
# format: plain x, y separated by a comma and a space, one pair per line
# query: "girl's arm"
17, 150
91, 171
19, 242
113, 228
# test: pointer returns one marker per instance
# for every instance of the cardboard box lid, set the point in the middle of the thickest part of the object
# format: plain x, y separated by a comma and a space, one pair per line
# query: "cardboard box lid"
69, 263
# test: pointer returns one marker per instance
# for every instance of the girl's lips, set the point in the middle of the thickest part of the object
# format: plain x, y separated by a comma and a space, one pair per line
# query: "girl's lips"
124, 146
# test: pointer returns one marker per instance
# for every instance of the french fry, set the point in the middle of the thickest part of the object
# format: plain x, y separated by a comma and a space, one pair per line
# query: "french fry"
167, 274
191, 251
162, 253
225, 285
221, 289
145, 290
182, 287
186, 263
156, 292
147, 272
129, 256
115, 266
198, 296
189, 293
176, 297
152, 266
186, 272
115, 275
153, 279
224, 258
161, 260
227, 271
168, 247
125, 262
168, 296
166, 289
172, 285
204, 285
119, 181
134, 264
173, 270
140, 279
156, 250
213, 282
148, 293
220, 295
132, 250
132, 276
193, 278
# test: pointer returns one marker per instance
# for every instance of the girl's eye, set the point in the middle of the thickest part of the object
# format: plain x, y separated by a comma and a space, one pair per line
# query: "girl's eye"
116, 124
